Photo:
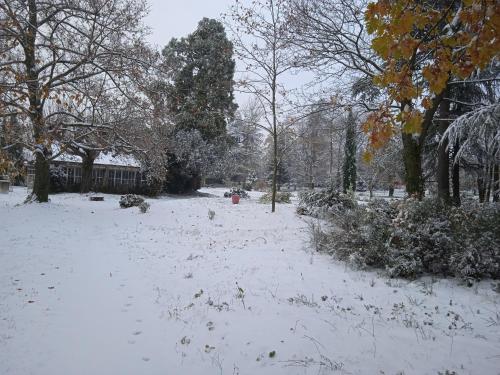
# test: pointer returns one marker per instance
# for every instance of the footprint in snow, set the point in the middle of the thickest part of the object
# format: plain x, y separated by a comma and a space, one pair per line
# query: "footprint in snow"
137, 333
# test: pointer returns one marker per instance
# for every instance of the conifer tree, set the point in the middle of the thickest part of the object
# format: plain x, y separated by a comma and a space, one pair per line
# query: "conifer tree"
200, 96
349, 166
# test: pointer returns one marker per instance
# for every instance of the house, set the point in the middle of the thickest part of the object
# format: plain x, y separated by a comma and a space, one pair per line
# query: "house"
112, 173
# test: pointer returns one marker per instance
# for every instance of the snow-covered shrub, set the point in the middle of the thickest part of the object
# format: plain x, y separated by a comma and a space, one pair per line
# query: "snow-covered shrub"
455, 241
131, 200
144, 207
364, 234
324, 203
236, 191
58, 178
411, 237
281, 197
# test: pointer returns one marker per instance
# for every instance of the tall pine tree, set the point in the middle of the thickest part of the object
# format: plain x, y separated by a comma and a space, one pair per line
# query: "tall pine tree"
349, 166
200, 96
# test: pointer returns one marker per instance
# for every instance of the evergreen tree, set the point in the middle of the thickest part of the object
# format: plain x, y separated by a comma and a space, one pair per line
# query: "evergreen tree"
200, 96
349, 166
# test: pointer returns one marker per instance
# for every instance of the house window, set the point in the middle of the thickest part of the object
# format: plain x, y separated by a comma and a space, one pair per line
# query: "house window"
131, 179
70, 172
111, 177
78, 175
98, 176
124, 177
117, 177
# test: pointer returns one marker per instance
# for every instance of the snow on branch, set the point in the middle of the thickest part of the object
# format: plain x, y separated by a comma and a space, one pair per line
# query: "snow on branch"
478, 133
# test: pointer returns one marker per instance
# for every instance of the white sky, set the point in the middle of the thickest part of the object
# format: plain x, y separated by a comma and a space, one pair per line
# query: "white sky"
176, 18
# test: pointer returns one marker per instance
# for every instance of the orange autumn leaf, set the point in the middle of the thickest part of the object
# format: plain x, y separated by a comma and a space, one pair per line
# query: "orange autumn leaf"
453, 42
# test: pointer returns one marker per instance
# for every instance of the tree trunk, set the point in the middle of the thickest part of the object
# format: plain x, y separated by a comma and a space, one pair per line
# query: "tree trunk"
87, 167
496, 183
331, 156
443, 167
42, 174
455, 177
489, 178
481, 189
413, 166
275, 131
42, 178
275, 171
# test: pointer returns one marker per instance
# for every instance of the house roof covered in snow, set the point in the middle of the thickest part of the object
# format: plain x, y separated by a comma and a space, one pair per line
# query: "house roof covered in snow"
104, 158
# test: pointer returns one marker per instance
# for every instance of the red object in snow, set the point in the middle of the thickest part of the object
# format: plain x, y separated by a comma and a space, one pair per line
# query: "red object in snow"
235, 198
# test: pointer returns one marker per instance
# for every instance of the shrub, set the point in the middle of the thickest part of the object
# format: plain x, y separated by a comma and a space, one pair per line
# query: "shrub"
324, 203
281, 197
131, 200
409, 238
236, 191
144, 207
58, 178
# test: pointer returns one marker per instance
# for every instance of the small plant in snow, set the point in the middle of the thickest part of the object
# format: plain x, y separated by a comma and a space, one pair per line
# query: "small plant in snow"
198, 294
144, 207
301, 299
131, 200
240, 294
211, 214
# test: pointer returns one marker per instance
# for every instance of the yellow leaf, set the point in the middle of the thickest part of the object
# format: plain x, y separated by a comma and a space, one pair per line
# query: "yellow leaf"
413, 123
367, 156
382, 45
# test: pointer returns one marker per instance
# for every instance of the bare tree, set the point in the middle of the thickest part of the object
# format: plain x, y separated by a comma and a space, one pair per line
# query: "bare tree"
48, 47
248, 138
260, 37
332, 39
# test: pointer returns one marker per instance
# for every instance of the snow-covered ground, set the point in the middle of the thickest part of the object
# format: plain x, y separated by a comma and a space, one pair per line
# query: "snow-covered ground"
89, 288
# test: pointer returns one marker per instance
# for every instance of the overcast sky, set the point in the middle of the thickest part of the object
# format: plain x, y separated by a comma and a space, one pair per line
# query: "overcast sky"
176, 18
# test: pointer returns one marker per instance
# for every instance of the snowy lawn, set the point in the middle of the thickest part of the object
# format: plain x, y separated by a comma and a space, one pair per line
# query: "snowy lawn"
89, 288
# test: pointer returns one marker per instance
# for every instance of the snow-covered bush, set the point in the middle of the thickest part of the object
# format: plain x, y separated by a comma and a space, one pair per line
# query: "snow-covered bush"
361, 234
58, 179
236, 191
324, 203
410, 238
144, 207
281, 197
131, 200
